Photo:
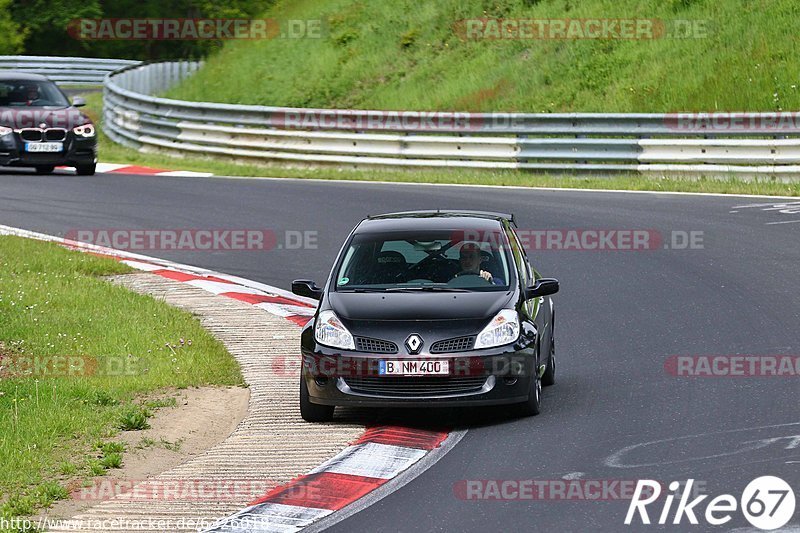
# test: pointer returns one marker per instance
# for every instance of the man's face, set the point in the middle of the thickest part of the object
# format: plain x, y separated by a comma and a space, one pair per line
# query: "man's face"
470, 258
32, 92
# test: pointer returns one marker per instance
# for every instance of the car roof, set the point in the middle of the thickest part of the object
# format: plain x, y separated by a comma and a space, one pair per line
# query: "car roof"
421, 220
6, 75
447, 213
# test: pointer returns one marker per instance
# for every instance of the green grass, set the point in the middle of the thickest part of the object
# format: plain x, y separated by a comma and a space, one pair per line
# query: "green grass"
110, 447
409, 55
112, 460
56, 421
134, 418
42, 495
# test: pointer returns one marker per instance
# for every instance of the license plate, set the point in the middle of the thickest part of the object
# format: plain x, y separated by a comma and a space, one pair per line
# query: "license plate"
413, 368
44, 147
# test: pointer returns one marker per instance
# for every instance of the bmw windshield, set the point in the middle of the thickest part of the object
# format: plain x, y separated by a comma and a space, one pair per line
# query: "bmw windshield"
31, 93
444, 260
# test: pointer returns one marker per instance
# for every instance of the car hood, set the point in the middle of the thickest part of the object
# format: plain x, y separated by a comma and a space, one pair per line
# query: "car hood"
418, 305
35, 117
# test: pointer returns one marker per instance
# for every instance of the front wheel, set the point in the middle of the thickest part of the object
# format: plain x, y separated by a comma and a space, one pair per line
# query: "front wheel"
549, 376
533, 405
312, 412
85, 170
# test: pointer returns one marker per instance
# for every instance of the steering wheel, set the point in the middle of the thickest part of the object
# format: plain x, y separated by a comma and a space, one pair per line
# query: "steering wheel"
468, 273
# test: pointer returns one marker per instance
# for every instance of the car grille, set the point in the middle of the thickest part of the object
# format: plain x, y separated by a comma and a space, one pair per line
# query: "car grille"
31, 135
416, 386
459, 344
365, 344
55, 134
36, 135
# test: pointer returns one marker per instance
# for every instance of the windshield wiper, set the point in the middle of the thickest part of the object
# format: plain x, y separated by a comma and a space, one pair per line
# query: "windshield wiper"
425, 289
404, 289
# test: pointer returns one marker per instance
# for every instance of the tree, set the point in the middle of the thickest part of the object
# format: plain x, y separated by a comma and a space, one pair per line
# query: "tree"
12, 36
46, 25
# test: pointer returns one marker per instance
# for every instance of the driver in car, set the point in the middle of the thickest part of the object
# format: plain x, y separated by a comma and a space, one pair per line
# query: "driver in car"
31, 93
469, 258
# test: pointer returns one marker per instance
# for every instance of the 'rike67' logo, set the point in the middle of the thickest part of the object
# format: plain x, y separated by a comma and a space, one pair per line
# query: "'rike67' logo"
767, 502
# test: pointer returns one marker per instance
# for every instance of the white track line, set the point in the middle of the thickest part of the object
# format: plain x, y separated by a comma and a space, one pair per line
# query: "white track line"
782, 222
500, 187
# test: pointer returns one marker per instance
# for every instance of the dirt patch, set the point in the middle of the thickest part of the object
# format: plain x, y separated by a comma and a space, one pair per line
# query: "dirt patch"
201, 418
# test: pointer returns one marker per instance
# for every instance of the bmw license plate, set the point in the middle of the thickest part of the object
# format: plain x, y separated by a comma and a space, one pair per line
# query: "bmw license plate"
44, 147
413, 368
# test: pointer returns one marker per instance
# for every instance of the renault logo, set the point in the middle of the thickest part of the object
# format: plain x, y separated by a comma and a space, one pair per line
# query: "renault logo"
413, 344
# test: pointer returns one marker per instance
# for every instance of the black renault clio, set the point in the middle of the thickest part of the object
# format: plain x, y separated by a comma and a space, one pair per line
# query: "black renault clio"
429, 308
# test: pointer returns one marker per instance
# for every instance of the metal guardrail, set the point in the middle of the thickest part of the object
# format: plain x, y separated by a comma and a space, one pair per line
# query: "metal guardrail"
650, 143
66, 70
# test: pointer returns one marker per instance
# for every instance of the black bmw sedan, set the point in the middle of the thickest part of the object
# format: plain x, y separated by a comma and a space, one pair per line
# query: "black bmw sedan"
429, 308
40, 128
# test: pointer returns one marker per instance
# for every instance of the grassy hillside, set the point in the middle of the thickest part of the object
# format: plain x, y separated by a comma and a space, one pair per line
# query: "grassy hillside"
407, 54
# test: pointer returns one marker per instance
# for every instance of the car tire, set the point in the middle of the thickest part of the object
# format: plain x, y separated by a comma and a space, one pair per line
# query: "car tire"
549, 376
45, 169
533, 405
85, 170
312, 412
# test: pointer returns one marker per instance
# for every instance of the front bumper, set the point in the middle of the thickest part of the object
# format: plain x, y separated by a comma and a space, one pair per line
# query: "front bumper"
77, 151
477, 378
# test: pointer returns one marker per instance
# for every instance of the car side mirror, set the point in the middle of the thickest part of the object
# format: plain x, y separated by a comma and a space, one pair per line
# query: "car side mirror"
78, 101
307, 288
542, 287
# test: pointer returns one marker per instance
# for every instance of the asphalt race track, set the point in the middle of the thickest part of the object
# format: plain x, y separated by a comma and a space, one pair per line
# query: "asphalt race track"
615, 412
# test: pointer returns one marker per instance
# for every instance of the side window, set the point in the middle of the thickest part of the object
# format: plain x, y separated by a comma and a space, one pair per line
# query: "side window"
519, 258
528, 268
527, 262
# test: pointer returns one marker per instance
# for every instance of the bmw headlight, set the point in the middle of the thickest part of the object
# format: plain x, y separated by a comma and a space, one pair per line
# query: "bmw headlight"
86, 130
5, 130
503, 329
330, 331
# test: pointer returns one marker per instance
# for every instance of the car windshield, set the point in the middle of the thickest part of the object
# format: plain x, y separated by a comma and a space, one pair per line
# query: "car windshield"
31, 93
447, 260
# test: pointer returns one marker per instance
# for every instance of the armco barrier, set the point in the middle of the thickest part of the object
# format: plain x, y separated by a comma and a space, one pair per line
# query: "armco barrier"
66, 70
749, 144
650, 143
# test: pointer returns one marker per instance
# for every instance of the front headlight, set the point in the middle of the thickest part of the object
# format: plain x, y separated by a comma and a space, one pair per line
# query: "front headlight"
503, 329
87, 130
5, 130
330, 331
